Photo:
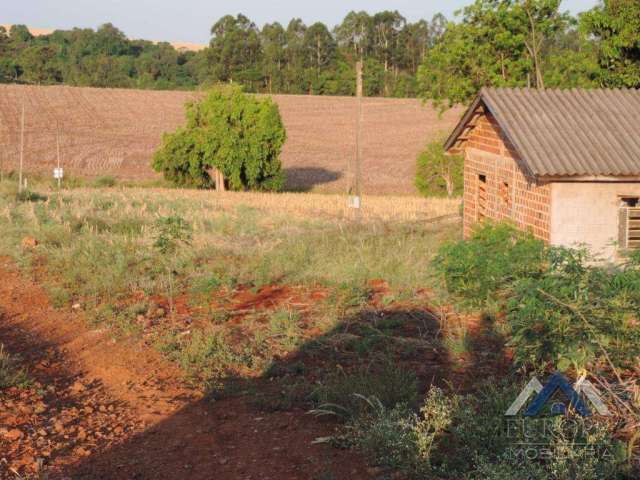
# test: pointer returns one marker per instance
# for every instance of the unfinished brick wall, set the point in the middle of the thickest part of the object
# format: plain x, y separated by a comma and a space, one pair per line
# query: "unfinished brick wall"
508, 193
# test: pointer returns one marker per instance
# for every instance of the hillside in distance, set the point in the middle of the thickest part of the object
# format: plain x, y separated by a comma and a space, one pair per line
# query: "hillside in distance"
186, 46
116, 131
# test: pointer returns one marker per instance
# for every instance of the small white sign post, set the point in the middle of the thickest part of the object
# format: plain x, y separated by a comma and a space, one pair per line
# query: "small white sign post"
58, 173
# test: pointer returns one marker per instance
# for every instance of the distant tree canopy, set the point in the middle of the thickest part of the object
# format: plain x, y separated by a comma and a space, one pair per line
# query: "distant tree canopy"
515, 43
238, 134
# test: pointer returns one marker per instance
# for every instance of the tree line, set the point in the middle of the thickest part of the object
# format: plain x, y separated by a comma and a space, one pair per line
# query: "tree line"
514, 43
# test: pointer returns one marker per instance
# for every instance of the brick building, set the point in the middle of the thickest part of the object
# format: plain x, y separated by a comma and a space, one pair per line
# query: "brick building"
563, 164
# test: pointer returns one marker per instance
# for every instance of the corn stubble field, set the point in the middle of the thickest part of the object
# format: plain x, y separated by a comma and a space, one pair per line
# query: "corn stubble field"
115, 132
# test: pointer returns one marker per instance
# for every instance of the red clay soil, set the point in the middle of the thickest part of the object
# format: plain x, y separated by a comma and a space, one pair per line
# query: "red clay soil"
105, 409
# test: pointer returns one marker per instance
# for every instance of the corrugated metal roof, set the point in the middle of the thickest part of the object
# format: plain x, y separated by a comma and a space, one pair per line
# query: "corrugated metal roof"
567, 132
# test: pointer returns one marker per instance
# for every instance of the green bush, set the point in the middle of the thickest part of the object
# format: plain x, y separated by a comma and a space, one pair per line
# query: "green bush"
561, 308
238, 134
400, 439
454, 437
574, 450
574, 312
105, 182
438, 174
496, 255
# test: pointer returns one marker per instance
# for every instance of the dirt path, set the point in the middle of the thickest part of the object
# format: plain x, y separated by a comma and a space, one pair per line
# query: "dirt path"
106, 409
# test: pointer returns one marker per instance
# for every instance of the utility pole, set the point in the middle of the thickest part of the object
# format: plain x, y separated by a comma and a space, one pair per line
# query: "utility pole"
58, 153
358, 129
354, 189
21, 148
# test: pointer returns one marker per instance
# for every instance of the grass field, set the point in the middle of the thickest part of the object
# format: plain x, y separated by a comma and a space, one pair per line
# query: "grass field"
124, 254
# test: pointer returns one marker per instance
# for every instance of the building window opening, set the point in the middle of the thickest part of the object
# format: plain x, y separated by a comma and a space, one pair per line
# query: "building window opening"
482, 197
504, 194
629, 223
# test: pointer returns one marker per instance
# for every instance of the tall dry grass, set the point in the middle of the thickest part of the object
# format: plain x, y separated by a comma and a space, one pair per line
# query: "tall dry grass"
299, 205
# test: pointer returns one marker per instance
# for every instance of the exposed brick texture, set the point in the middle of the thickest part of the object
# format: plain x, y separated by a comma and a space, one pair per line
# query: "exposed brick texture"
509, 193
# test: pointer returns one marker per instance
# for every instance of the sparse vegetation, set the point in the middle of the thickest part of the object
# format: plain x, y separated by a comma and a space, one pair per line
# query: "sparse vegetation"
249, 297
102, 248
11, 374
414, 340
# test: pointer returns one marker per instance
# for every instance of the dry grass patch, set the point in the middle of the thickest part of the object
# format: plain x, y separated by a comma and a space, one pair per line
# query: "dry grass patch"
302, 205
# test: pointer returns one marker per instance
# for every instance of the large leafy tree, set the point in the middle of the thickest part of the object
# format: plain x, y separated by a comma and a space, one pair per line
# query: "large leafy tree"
615, 24
8, 68
355, 35
239, 135
295, 56
499, 43
570, 60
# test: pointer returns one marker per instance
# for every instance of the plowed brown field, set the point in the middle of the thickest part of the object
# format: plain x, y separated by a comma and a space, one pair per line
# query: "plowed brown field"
115, 132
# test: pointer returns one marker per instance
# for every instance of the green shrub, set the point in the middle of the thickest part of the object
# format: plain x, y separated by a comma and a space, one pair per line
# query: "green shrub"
438, 174
573, 450
400, 439
574, 312
388, 437
203, 355
171, 233
458, 437
496, 255
105, 182
238, 134
561, 308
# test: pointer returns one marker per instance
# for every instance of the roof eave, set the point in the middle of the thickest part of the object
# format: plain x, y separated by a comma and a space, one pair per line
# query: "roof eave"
591, 178
451, 140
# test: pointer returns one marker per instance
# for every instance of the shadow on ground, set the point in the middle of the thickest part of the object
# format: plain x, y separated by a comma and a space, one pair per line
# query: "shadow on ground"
304, 179
259, 428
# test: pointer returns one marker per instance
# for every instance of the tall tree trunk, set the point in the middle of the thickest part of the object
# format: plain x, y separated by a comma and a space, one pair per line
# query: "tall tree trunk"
534, 47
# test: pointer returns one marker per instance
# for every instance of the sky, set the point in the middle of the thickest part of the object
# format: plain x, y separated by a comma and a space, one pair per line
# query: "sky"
191, 20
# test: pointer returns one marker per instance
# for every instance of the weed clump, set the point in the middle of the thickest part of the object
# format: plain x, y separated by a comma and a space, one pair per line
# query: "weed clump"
106, 181
11, 375
341, 393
